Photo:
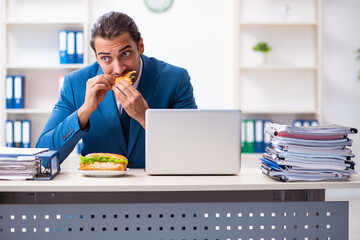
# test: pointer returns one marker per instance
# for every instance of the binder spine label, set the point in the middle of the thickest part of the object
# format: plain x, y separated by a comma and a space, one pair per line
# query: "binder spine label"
18, 91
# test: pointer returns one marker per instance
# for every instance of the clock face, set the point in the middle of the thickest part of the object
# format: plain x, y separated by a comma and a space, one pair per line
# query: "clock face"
158, 5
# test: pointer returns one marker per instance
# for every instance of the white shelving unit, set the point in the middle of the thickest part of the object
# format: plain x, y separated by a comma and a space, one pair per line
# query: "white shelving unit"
288, 86
29, 47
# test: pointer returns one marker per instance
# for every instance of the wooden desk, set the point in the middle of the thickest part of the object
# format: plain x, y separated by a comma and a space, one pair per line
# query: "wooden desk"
137, 206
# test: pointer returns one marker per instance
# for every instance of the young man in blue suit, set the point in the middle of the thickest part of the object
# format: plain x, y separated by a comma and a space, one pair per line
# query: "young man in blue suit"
93, 107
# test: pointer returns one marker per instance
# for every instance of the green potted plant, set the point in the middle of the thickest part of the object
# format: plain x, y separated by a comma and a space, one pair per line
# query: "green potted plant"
263, 49
358, 58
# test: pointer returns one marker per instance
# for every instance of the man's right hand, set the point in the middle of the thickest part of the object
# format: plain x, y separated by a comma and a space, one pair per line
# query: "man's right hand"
96, 89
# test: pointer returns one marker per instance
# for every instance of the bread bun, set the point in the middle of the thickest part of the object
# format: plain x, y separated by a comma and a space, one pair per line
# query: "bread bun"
127, 77
101, 165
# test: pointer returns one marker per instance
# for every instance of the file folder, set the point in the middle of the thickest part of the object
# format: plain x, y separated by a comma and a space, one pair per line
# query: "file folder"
259, 136
249, 136
25, 133
305, 123
18, 91
17, 133
314, 123
9, 92
79, 42
297, 123
62, 46
9, 133
50, 161
70, 47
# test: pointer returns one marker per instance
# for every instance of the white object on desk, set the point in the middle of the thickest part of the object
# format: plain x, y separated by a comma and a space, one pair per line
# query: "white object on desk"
8, 151
192, 141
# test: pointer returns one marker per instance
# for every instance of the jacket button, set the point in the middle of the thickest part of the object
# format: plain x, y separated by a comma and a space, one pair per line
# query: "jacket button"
64, 138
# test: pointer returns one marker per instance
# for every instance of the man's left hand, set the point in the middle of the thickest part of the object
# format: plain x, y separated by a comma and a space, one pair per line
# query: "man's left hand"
131, 100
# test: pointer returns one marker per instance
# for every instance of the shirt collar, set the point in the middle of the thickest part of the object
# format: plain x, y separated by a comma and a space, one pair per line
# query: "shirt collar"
136, 83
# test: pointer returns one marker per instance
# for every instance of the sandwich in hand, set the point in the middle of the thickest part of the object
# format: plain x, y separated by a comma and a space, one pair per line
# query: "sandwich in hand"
103, 162
127, 77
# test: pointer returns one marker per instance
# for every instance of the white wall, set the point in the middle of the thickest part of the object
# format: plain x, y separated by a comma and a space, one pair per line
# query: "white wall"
341, 89
196, 35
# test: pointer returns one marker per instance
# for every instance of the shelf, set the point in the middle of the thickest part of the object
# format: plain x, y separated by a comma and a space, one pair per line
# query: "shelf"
39, 67
274, 24
55, 23
28, 111
313, 68
278, 112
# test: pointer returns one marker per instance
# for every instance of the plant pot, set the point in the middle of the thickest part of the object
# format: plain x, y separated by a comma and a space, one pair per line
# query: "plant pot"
261, 58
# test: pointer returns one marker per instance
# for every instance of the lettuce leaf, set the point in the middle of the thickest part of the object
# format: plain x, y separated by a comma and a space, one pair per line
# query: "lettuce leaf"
90, 160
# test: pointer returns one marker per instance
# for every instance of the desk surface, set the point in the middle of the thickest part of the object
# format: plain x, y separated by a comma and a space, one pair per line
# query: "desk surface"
136, 180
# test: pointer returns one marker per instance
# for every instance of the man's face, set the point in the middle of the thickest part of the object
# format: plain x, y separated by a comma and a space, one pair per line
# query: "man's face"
119, 55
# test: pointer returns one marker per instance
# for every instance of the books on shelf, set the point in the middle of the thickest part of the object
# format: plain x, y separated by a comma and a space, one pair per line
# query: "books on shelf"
71, 47
313, 153
18, 133
14, 93
254, 140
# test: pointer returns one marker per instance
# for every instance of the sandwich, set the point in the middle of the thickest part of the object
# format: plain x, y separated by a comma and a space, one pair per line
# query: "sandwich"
103, 162
127, 77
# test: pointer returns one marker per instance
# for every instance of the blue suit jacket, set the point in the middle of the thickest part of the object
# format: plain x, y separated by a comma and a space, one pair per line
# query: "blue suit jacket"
162, 85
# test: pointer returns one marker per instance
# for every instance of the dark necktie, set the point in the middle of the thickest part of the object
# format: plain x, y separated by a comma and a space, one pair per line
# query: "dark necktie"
125, 122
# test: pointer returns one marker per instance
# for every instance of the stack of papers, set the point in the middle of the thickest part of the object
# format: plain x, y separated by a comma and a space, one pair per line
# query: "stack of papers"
19, 163
319, 153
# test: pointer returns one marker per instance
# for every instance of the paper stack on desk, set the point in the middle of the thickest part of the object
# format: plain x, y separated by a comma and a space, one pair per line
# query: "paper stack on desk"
319, 153
19, 163
19, 168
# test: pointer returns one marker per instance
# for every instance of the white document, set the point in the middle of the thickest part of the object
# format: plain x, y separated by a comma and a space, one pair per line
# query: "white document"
10, 151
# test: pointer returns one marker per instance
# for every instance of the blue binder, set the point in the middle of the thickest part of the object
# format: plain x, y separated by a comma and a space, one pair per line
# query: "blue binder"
50, 161
9, 91
314, 123
259, 136
9, 133
63, 46
297, 123
18, 91
25, 133
70, 46
17, 133
79, 46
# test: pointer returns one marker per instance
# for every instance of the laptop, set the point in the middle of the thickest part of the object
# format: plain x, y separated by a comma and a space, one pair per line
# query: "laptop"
192, 142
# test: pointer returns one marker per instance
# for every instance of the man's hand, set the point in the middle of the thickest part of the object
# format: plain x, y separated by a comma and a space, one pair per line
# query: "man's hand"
131, 100
96, 89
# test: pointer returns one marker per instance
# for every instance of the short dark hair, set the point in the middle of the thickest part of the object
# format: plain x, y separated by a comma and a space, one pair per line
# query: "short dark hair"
113, 24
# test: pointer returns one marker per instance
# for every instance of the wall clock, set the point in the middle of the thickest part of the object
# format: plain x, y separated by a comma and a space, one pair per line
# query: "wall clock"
158, 6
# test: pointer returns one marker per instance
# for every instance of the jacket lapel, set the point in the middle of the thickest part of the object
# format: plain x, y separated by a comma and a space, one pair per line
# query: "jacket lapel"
110, 113
146, 87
